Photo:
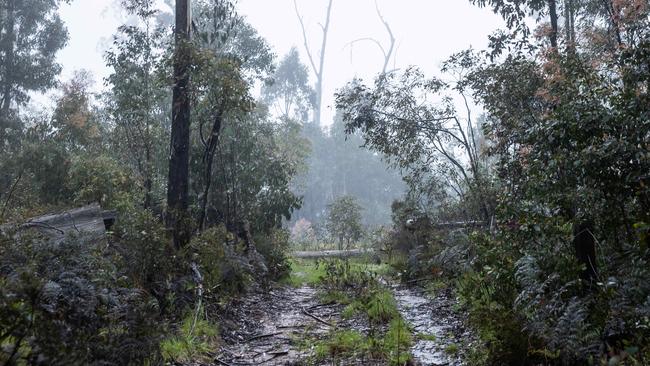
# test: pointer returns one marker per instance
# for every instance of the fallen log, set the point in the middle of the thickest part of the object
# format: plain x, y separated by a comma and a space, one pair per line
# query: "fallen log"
87, 221
332, 253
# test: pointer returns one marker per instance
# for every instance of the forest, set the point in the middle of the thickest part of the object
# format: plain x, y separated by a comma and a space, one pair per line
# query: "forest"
207, 197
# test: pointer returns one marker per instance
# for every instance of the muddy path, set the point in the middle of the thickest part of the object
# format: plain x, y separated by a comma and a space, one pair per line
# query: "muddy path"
267, 328
442, 334
278, 326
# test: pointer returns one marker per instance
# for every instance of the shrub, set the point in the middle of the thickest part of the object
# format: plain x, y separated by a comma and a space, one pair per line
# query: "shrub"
224, 270
147, 255
100, 179
67, 303
274, 247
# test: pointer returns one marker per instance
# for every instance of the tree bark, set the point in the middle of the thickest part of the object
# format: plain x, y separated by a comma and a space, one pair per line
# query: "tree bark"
552, 12
10, 40
178, 180
208, 158
8, 50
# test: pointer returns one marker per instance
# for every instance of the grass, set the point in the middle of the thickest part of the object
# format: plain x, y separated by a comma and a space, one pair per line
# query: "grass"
304, 272
451, 349
195, 339
382, 307
426, 337
394, 346
309, 272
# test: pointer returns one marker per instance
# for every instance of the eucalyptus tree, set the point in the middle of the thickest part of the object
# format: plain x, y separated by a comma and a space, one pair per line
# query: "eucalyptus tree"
178, 219
31, 34
414, 121
344, 220
136, 97
289, 92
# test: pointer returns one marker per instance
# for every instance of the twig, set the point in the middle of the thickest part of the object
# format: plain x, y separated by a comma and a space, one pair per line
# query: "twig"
321, 305
291, 326
224, 363
315, 317
10, 193
262, 336
419, 279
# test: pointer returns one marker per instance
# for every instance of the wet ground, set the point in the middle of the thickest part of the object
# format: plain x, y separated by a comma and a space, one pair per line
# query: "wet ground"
272, 328
442, 336
268, 328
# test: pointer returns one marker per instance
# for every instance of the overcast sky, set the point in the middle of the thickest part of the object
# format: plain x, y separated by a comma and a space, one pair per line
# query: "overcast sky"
426, 31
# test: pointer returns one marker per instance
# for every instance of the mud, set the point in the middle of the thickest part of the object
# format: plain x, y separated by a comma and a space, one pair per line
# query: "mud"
278, 327
267, 329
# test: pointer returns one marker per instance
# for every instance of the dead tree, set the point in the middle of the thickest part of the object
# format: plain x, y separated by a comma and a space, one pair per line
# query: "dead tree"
388, 54
318, 71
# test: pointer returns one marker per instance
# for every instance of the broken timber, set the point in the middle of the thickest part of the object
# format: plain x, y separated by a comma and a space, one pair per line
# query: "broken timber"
88, 221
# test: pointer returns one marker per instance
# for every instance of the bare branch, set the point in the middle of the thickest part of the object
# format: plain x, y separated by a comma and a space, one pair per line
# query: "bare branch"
304, 37
388, 55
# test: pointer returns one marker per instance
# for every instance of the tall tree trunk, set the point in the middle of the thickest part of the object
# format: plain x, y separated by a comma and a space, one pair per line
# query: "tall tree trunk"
552, 12
178, 180
10, 40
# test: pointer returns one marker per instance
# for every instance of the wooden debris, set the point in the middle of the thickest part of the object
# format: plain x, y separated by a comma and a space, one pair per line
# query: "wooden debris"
316, 318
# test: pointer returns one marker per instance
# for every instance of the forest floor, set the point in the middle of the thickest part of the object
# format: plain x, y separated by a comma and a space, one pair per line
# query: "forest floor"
293, 324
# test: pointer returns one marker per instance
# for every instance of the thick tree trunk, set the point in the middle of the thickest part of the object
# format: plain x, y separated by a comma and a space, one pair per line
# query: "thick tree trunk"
178, 180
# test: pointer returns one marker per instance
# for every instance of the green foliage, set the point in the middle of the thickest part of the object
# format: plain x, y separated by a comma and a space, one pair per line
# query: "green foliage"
304, 272
67, 303
225, 271
195, 339
274, 247
289, 91
346, 343
381, 307
344, 220
100, 179
32, 34
338, 167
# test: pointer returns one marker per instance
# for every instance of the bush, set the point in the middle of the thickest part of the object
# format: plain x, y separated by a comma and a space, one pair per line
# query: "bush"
147, 255
225, 271
67, 303
100, 179
274, 247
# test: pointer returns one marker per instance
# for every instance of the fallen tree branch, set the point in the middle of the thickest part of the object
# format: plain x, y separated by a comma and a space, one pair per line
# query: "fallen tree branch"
316, 318
262, 336
224, 363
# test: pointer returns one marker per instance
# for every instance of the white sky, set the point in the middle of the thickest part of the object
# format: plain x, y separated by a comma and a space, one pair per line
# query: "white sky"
427, 31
